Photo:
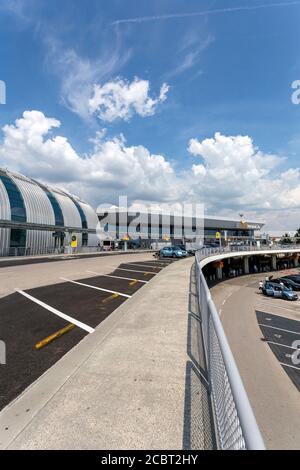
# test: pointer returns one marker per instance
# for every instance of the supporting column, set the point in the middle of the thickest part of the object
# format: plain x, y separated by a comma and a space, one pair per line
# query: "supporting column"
296, 262
246, 264
274, 262
219, 273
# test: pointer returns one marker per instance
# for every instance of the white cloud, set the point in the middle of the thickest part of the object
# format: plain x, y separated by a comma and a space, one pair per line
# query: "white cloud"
88, 90
232, 176
189, 54
112, 169
234, 173
120, 99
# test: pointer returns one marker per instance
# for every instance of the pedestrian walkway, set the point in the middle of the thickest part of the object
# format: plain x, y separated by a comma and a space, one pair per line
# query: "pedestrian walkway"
138, 382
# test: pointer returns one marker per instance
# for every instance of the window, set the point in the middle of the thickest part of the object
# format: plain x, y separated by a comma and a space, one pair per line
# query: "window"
59, 218
17, 207
81, 213
17, 238
85, 239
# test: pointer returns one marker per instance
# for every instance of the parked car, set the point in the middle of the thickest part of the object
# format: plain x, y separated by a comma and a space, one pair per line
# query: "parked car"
189, 251
293, 277
172, 252
271, 289
288, 283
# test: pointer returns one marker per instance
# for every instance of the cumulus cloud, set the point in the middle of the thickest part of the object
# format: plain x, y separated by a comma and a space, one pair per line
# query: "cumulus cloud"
111, 169
120, 99
78, 74
232, 175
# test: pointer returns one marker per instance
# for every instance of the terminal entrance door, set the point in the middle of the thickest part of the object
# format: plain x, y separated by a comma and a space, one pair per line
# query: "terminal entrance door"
17, 245
59, 238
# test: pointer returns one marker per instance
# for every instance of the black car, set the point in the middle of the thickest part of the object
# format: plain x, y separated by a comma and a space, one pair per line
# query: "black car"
293, 277
288, 283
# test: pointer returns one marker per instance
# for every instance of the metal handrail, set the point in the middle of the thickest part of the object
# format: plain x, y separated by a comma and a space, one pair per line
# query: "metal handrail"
236, 426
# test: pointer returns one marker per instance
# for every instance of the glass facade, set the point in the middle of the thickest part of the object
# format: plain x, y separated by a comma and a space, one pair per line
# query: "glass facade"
59, 218
85, 239
17, 238
81, 213
18, 211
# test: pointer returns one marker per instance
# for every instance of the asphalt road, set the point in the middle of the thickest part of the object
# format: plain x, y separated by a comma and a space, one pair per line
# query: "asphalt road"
37, 324
261, 331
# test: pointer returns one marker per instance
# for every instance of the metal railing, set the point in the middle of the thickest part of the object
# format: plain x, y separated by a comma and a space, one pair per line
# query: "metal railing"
205, 252
235, 423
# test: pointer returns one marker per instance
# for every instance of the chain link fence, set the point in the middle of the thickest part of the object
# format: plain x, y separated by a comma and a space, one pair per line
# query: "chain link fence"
235, 424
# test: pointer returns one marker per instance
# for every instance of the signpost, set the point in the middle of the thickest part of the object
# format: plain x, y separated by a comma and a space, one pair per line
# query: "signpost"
125, 240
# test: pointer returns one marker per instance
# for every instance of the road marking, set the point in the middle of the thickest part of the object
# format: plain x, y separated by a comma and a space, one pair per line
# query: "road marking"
267, 304
281, 329
119, 277
81, 325
133, 270
279, 344
54, 336
111, 297
224, 302
96, 288
287, 365
142, 265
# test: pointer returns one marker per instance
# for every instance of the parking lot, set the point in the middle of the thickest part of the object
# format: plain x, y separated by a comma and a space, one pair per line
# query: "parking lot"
279, 322
41, 324
260, 331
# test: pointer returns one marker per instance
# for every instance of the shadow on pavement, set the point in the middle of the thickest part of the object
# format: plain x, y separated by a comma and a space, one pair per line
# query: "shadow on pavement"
198, 429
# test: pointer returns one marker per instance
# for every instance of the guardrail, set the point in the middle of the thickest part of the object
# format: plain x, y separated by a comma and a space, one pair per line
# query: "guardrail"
235, 423
205, 252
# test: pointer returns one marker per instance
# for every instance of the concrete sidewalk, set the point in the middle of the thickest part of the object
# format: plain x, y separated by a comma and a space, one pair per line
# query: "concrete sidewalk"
122, 387
20, 260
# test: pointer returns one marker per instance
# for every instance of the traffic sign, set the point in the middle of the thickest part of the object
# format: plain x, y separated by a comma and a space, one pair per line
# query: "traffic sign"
218, 235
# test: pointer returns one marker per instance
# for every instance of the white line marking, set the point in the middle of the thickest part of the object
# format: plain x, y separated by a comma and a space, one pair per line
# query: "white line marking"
133, 270
81, 325
142, 265
283, 345
287, 365
281, 329
97, 288
118, 277
266, 304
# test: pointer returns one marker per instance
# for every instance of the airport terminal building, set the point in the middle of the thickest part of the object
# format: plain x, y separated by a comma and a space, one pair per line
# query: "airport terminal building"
38, 219
147, 228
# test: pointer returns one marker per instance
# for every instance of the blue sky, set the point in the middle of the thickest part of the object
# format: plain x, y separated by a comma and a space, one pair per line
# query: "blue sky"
228, 70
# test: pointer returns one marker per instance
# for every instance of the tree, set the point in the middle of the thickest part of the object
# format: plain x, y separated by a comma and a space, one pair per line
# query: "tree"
297, 236
286, 239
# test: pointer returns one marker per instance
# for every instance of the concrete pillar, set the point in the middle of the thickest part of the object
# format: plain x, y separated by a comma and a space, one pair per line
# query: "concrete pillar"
246, 264
274, 262
296, 262
219, 273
